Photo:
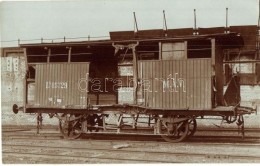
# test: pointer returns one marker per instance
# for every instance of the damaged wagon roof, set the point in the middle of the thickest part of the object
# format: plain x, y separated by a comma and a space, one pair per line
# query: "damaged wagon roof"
232, 39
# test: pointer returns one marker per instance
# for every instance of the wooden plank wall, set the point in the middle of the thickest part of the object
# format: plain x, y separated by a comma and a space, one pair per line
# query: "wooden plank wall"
57, 84
176, 84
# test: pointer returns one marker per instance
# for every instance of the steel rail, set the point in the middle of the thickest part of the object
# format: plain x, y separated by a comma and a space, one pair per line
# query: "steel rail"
136, 152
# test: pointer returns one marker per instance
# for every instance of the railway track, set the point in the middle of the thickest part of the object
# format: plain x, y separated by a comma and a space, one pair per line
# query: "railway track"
49, 147
200, 137
54, 128
82, 142
129, 154
194, 139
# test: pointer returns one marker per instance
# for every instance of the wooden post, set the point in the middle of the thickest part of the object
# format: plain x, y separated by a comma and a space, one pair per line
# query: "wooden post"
160, 50
165, 25
119, 123
226, 28
133, 121
104, 122
157, 127
49, 54
258, 32
135, 27
135, 75
213, 95
69, 55
186, 49
213, 55
195, 32
135, 71
25, 86
217, 71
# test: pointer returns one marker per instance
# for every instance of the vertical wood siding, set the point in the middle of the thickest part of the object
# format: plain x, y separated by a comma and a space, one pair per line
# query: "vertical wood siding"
178, 84
57, 85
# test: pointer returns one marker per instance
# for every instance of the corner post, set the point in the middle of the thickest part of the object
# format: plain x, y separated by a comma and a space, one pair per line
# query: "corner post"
25, 85
135, 69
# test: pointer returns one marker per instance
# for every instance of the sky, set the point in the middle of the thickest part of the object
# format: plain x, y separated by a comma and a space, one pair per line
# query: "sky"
28, 20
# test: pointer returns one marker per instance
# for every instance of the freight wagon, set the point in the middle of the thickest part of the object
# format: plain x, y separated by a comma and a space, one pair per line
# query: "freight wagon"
134, 83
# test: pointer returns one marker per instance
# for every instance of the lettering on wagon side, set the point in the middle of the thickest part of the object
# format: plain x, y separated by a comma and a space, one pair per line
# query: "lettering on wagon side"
56, 85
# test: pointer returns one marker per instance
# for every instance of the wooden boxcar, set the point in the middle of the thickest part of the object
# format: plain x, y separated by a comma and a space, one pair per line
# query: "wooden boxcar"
156, 84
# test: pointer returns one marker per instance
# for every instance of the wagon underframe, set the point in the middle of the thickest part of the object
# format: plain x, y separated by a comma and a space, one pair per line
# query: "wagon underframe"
133, 109
172, 125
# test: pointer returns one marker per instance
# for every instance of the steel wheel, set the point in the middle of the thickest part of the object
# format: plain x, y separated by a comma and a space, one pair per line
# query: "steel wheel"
70, 126
175, 132
192, 127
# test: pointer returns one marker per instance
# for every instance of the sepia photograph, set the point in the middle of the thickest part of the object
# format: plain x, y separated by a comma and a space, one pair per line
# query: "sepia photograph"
130, 81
